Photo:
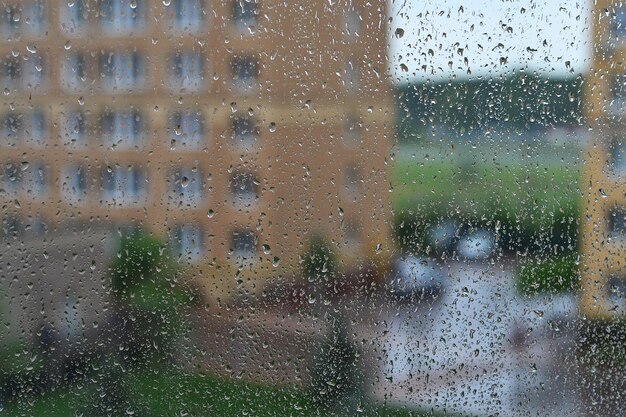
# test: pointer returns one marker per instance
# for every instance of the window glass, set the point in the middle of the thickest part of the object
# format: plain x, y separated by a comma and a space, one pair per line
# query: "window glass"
245, 13
188, 15
312, 208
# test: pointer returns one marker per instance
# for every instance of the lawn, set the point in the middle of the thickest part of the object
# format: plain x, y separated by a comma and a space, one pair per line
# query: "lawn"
525, 189
177, 393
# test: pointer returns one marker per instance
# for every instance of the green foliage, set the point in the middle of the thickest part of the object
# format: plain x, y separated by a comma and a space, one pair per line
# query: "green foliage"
20, 369
521, 101
602, 343
150, 300
552, 275
142, 259
319, 261
335, 376
171, 392
504, 192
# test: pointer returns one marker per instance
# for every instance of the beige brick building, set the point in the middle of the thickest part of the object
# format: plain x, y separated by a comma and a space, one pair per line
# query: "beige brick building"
237, 129
603, 221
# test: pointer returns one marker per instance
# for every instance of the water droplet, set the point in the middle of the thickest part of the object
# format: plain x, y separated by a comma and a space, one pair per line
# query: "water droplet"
68, 45
275, 261
266, 249
272, 127
81, 101
399, 33
133, 4
184, 182
31, 48
312, 299
167, 2
210, 213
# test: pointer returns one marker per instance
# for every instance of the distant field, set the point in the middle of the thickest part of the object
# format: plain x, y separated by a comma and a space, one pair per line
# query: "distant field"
528, 187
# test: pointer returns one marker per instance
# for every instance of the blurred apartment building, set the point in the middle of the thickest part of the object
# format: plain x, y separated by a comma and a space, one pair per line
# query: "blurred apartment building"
603, 221
237, 129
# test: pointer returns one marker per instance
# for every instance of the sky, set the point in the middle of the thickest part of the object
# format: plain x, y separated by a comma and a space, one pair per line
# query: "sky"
446, 39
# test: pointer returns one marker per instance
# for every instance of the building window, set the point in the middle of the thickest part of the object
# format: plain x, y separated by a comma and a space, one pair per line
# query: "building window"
244, 187
351, 80
244, 244
351, 129
245, 73
12, 227
352, 232
74, 183
188, 15
11, 177
618, 23
617, 223
617, 155
75, 128
122, 17
187, 186
187, 71
12, 127
617, 293
36, 17
26, 71
10, 20
352, 181
74, 16
244, 131
30, 127
74, 71
351, 21
245, 14
36, 130
122, 70
35, 180
123, 185
12, 72
121, 128
36, 227
186, 130
188, 243
22, 18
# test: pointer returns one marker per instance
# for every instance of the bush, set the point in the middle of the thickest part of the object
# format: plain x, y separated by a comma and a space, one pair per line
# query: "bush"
319, 260
552, 275
335, 377
149, 300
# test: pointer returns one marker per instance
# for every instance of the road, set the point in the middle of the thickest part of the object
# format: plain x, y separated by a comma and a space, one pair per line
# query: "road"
479, 349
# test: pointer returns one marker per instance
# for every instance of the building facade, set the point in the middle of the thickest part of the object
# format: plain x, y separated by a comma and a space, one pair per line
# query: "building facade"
603, 220
237, 129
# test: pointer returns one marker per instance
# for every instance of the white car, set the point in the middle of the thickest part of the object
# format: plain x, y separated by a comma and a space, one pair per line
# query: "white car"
476, 245
416, 276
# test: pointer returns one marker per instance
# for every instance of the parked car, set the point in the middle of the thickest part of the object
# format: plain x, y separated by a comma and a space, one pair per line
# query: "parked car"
477, 245
416, 276
444, 235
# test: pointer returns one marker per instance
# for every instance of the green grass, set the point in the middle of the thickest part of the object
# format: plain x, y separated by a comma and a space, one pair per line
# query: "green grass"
524, 192
175, 393
553, 275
